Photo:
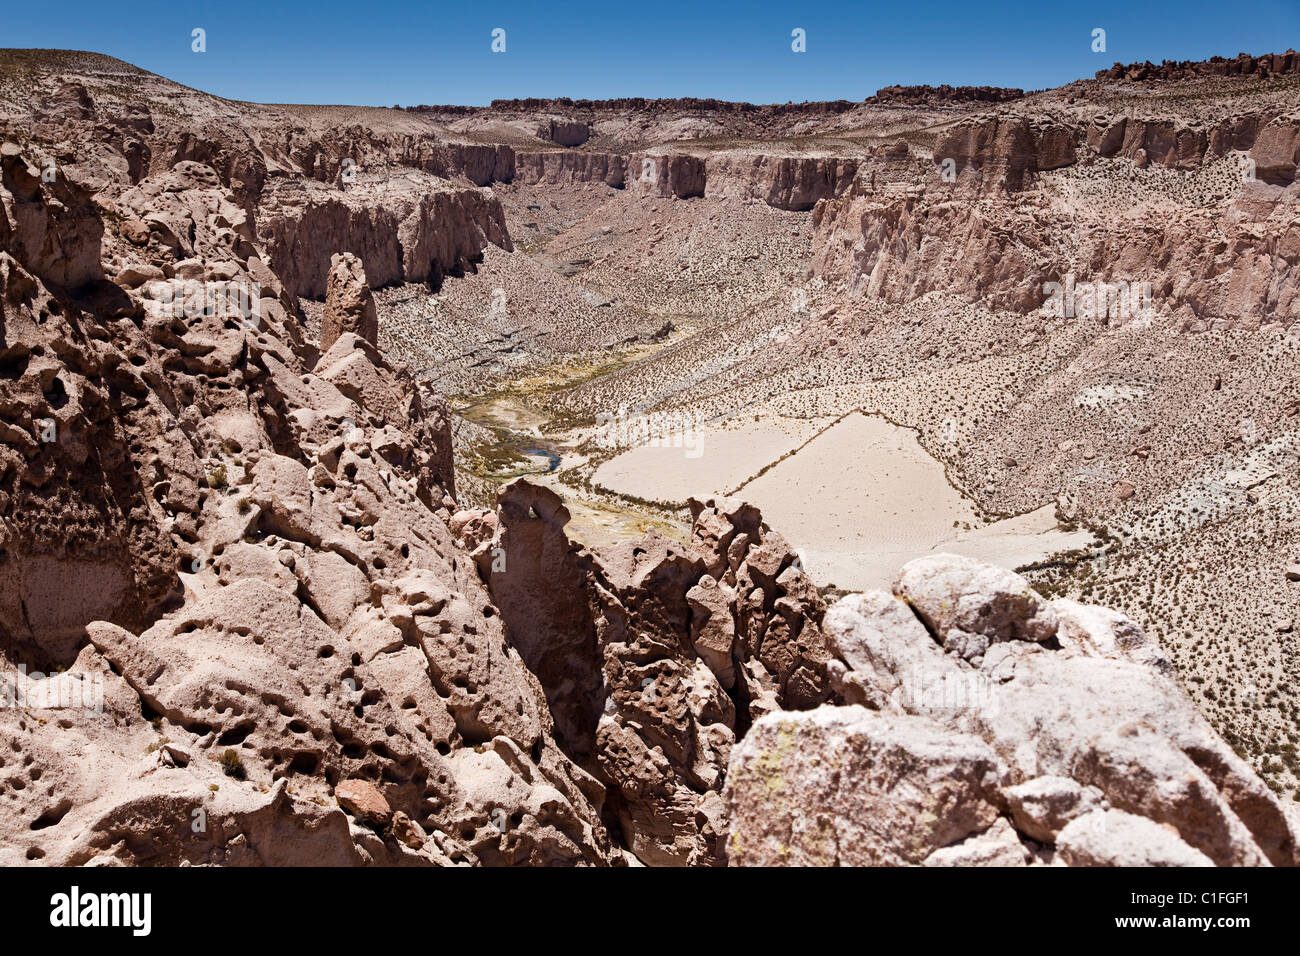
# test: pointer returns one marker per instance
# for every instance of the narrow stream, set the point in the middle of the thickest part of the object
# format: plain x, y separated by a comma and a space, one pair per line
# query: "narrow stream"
552, 457
521, 446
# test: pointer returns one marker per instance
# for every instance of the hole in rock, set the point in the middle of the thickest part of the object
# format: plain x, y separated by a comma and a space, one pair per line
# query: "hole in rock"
236, 735
52, 816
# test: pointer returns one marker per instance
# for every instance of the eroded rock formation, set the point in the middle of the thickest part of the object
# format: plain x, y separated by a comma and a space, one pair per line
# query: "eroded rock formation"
403, 232
987, 725
655, 657
234, 550
349, 303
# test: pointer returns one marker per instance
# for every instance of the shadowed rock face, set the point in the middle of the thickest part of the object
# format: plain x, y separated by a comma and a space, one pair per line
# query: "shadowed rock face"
78, 540
651, 662
48, 222
403, 232
568, 168
237, 585
538, 583
565, 132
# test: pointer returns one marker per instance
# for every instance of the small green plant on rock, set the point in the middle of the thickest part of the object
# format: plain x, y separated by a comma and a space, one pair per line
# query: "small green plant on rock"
232, 765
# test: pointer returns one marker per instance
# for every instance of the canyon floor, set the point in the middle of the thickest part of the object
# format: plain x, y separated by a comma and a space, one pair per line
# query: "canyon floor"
582, 479
1103, 455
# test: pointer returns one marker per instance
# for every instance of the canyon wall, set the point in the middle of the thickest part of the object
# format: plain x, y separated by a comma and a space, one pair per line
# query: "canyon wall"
557, 168
1003, 149
404, 232
1007, 204
784, 182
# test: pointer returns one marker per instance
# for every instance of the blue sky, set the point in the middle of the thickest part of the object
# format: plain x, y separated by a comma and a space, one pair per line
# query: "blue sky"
381, 53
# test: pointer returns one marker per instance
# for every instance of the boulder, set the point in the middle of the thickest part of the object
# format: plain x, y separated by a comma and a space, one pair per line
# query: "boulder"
1116, 838
846, 786
362, 799
969, 606
1101, 759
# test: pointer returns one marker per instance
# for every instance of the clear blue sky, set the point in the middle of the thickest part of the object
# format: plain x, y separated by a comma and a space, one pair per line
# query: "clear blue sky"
380, 53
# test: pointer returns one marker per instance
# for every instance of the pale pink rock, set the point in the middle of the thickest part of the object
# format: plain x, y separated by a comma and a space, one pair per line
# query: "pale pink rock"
349, 303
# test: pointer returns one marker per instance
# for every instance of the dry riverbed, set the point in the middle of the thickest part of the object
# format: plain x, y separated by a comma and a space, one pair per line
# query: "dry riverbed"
858, 498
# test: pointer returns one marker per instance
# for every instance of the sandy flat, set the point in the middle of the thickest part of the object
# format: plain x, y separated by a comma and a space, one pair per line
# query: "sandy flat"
864, 497
1015, 541
857, 501
706, 462
860, 500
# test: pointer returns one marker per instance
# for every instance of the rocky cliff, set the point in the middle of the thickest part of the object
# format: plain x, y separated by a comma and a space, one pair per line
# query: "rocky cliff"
783, 182
1243, 64
405, 229
1009, 204
555, 168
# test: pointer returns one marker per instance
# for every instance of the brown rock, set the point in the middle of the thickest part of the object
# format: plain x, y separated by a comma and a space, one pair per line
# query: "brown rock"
364, 801
408, 831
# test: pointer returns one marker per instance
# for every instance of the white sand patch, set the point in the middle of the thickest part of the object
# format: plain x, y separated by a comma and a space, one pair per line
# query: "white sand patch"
857, 501
708, 462
860, 500
864, 497
1011, 542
